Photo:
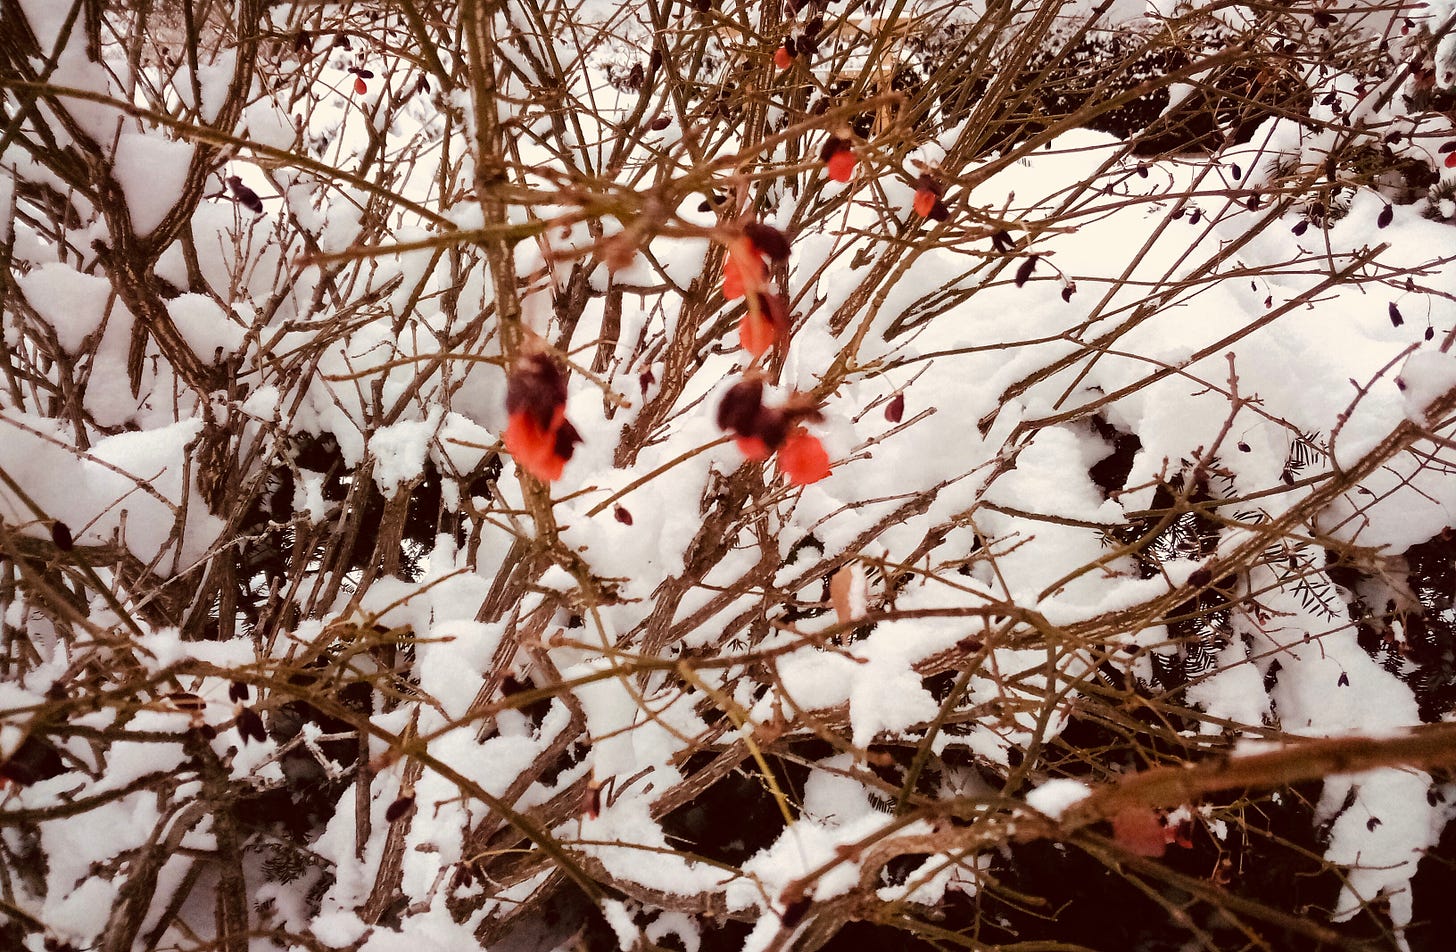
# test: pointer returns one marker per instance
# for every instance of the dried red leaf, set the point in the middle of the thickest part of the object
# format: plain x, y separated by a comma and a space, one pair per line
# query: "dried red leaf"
591, 800
929, 183
536, 387
1139, 831
566, 439
741, 406
795, 911
1023, 273
61, 536
767, 241
245, 196
803, 459
250, 726
396, 810
895, 409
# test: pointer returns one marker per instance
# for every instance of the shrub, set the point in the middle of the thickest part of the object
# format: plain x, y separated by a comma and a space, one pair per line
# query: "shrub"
723, 475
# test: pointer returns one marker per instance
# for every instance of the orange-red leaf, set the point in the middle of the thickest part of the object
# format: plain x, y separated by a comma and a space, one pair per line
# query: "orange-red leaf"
765, 324
841, 165
732, 280
535, 448
753, 448
802, 459
743, 268
755, 333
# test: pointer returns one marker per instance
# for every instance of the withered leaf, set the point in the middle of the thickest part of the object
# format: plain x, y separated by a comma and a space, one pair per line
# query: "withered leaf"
397, 809
847, 592
768, 240
250, 726
61, 536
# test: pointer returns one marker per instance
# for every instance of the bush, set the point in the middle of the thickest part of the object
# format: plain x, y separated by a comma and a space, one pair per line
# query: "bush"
722, 475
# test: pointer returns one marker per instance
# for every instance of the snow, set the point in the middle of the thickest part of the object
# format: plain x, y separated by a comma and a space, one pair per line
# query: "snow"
73, 304
1426, 376
208, 330
1380, 839
399, 451
152, 172
978, 518
128, 485
1055, 796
